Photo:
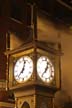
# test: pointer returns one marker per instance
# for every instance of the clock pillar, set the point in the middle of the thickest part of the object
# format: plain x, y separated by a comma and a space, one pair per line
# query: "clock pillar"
36, 91
35, 97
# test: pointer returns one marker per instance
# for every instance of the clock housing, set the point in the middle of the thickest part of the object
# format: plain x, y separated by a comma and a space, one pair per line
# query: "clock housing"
20, 67
42, 58
53, 58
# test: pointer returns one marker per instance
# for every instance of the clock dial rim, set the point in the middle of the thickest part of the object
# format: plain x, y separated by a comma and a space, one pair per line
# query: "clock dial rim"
39, 71
28, 59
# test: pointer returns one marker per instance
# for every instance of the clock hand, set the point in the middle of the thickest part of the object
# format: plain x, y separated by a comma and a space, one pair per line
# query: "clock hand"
45, 68
22, 68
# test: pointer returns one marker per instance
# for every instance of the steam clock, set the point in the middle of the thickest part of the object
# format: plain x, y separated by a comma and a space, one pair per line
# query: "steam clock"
34, 73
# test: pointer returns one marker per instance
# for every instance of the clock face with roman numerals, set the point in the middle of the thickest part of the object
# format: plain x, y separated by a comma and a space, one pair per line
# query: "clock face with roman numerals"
23, 69
45, 69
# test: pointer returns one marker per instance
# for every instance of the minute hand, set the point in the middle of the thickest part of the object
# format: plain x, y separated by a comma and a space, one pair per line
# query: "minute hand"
22, 68
45, 69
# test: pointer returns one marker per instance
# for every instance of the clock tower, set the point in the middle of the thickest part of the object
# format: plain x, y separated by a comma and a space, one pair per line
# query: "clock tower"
34, 72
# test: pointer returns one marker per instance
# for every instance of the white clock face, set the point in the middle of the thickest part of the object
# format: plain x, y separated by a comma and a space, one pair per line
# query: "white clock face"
45, 69
23, 69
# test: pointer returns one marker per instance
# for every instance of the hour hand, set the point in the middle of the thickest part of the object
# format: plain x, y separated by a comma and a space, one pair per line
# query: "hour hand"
22, 68
45, 69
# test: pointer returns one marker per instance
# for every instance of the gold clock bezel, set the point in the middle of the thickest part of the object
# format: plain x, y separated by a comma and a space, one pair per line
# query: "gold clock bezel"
42, 69
23, 75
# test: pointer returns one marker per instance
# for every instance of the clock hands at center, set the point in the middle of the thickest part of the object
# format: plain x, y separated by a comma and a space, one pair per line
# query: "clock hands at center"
22, 68
45, 68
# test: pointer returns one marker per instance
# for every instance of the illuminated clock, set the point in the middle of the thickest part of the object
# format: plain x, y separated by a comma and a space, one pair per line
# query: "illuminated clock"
23, 69
45, 69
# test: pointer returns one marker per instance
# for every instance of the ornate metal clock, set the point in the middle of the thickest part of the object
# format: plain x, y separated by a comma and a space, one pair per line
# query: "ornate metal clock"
45, 69
23, 69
